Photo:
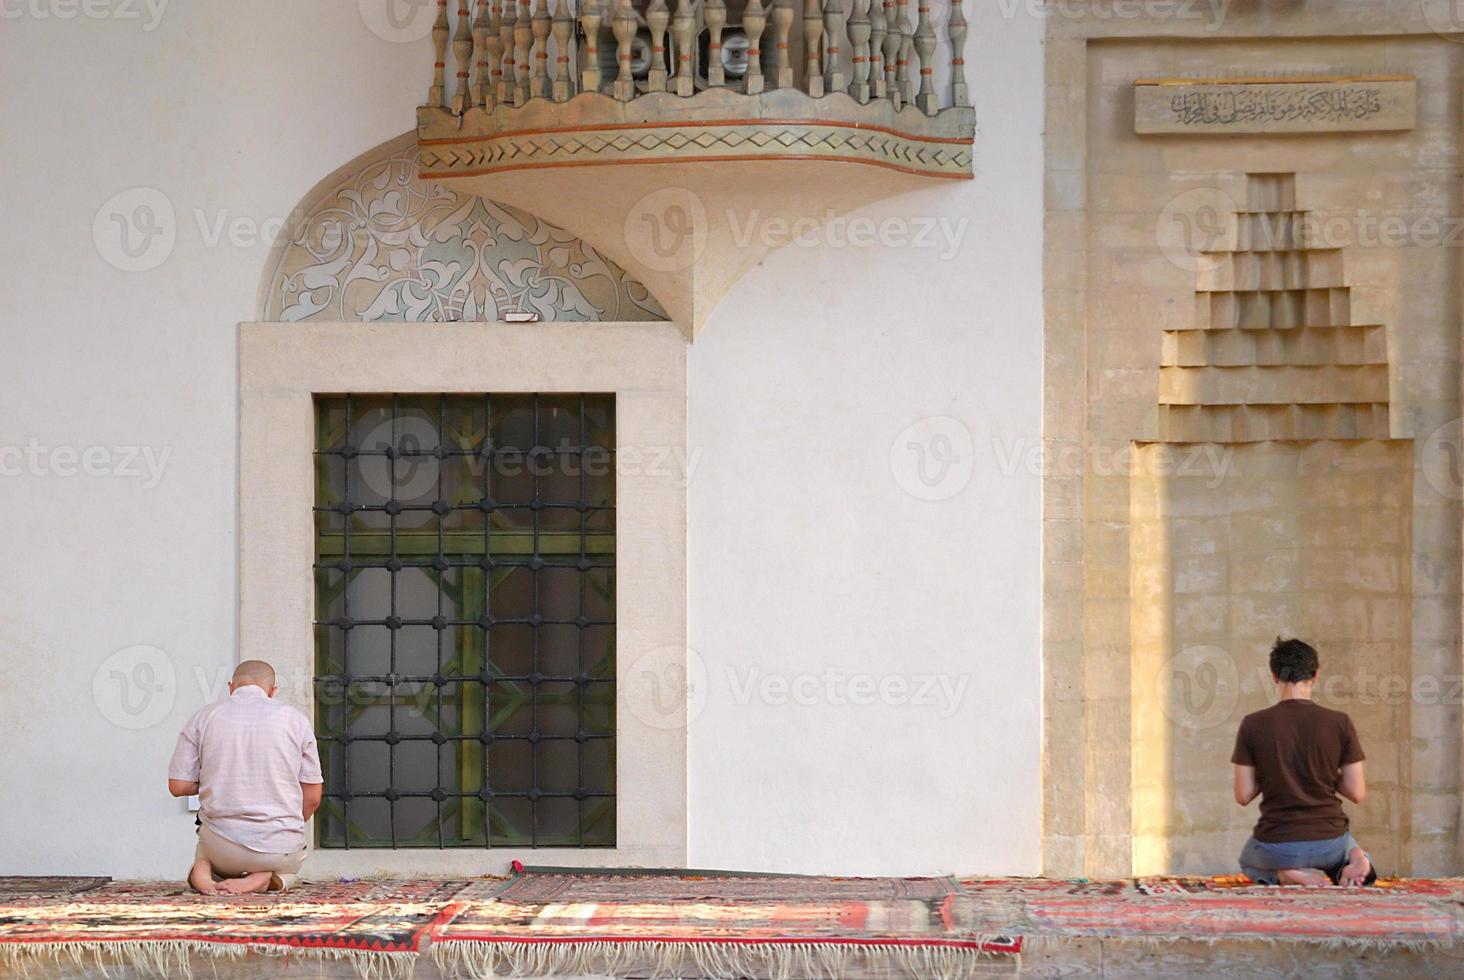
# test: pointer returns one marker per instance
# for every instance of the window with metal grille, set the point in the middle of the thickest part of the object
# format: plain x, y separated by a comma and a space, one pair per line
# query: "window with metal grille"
465, 620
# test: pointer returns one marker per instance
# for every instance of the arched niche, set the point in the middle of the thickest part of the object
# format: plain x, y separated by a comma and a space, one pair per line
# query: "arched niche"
373, 242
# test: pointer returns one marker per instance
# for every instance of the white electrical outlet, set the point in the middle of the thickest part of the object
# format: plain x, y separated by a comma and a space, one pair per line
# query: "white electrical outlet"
193, 805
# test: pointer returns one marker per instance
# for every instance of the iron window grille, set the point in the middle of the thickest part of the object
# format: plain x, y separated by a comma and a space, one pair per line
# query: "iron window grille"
465, 620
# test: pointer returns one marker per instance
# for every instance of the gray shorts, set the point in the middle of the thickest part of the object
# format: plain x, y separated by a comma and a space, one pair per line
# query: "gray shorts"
1260, 861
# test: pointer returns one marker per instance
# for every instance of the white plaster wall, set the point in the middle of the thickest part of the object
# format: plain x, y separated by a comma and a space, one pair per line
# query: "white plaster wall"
233, 109
805, 552
808, 556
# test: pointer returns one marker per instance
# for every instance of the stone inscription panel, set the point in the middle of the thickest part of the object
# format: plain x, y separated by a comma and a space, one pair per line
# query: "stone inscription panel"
1275, 106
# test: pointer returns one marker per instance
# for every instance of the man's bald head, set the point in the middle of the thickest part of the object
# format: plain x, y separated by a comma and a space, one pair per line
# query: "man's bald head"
256, 673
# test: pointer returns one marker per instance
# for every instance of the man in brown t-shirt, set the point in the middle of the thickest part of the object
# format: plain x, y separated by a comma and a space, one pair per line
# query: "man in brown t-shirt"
1297, 757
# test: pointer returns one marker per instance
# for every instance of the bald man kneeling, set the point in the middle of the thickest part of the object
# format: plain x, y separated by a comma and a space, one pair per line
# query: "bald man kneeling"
253, 764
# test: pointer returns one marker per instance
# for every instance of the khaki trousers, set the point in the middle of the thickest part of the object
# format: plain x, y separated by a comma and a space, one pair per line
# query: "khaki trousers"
231, 860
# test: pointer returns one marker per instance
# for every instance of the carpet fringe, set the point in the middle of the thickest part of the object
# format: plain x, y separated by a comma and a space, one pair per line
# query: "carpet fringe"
1056, 942
712, 960
173, 958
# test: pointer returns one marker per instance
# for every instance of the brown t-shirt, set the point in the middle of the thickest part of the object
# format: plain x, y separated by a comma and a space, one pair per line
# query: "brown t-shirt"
1298, 748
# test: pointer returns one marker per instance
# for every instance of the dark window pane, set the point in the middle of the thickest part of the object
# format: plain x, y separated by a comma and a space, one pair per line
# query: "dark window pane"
459, 539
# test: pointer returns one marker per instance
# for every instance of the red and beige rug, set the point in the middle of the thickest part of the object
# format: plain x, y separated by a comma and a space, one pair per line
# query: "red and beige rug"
1415, 914
703, 924
708, 925
378, 926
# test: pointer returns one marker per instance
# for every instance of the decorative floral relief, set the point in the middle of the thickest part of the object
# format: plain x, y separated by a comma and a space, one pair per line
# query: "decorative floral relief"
387, 246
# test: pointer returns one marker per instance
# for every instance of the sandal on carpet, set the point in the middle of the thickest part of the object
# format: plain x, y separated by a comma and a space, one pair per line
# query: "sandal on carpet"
276, 883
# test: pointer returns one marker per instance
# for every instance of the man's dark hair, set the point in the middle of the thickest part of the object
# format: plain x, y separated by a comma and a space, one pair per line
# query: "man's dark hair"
1293, 661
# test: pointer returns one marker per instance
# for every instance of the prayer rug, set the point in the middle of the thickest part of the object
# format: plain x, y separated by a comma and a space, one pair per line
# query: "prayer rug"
1419, 914
24, 886
715, 926
641, 885
378, 926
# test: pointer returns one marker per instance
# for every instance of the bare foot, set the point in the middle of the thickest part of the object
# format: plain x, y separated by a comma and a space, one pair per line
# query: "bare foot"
1356, 871
201, 879
256, 881
1303, 876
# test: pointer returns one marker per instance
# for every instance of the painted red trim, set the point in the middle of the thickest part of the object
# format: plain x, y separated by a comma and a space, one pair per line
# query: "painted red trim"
443, 174
1015, 946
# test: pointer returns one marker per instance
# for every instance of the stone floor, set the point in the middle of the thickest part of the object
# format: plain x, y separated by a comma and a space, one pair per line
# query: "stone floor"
1070, 929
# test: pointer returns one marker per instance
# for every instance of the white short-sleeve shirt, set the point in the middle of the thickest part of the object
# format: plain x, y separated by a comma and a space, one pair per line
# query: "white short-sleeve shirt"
249, 754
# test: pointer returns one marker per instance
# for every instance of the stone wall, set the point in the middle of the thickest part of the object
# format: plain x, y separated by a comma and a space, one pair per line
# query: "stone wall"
1300, 534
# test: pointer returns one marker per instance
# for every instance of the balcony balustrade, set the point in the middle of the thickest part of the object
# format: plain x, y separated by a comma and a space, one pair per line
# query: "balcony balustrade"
526, 93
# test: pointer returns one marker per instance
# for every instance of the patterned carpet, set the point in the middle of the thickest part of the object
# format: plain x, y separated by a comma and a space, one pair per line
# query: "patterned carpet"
378, 926
709, 925
704, 924
1416, 914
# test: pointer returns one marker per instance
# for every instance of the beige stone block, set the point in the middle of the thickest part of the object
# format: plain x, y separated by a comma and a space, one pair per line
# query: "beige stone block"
1201, 618
1062, 541
1063, 856
1277, 571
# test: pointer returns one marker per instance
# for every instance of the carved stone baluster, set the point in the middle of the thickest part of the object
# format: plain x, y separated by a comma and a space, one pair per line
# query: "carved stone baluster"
683, 32
892, 53
925, 45
508, 74
541, 86
484, 41
563, 66
590, 16
906, 52
833, 22
812, 46
754, 22
437, 95
859, 42
462, 52
523, 53
782, 28
876, 49
658, 15
624, 26
714, 12
956, 29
